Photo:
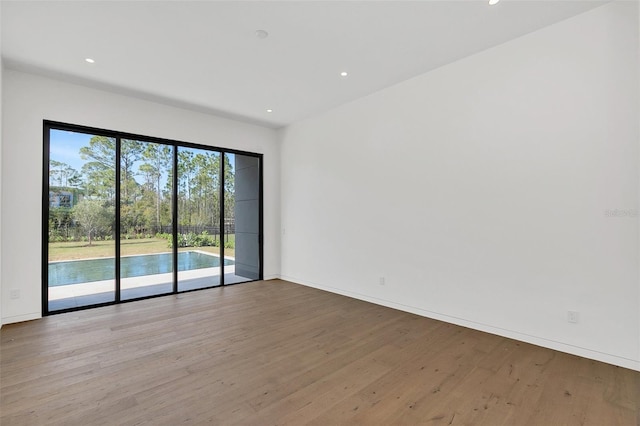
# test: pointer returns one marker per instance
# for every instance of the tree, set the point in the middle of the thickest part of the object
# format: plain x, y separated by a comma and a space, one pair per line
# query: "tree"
185, 172
101, 170
158, 159
92, 217
130, 152
63, 174
59, 220
100, 173
229, 189
205, 187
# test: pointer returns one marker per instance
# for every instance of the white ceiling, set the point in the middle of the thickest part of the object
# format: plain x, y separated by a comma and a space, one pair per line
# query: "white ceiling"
205, 55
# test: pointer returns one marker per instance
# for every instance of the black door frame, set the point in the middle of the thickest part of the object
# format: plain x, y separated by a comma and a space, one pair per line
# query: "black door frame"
49, 125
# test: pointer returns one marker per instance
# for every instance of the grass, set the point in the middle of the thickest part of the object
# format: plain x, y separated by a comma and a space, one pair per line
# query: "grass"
82, 250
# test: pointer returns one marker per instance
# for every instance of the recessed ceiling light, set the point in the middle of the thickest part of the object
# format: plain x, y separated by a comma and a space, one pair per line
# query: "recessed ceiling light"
344, 74
89, 60
269, 110
262, 34
492, 2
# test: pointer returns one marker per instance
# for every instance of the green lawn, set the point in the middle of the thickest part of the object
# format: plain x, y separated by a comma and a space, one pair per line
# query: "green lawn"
81, 250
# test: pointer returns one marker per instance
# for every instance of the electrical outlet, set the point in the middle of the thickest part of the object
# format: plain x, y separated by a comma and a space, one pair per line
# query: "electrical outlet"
573, 317
14, 294
381, 281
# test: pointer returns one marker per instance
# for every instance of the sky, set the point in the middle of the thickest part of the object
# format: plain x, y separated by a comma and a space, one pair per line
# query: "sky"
64, 146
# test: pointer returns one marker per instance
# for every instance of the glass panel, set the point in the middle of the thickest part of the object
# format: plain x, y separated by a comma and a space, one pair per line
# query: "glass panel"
242, 218
146, 238
81, 248
198, 218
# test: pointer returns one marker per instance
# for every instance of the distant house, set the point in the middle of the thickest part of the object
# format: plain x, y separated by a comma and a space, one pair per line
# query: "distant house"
63, 197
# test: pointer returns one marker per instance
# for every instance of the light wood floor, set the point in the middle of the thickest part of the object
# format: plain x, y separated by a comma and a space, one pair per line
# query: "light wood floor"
278, 353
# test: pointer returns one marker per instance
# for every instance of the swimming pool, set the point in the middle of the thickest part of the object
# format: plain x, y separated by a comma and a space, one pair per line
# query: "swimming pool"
83, 271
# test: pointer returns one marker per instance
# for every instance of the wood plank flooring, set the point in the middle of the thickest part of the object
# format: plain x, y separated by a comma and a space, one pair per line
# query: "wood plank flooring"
276, 353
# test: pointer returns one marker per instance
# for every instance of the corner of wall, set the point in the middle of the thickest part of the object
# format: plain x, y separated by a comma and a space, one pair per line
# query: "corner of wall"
1, 174
638, 207
280, 135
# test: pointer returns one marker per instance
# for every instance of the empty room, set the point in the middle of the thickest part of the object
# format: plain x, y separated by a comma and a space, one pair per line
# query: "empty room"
320, 212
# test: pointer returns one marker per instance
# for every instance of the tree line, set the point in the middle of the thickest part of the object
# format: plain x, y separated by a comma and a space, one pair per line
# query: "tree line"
146, 190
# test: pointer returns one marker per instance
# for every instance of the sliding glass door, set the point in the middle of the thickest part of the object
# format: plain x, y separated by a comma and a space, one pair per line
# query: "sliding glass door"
146, 237
128, 217
80, 202
198, 218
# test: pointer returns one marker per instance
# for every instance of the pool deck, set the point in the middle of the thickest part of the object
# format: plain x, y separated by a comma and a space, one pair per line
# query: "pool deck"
97, 292
106, 286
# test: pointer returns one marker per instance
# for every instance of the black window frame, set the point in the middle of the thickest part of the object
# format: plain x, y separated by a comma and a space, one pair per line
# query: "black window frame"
49, 125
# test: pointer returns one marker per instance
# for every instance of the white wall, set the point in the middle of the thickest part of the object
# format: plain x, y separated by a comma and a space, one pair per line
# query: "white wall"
1, 69
29, 99
482, 191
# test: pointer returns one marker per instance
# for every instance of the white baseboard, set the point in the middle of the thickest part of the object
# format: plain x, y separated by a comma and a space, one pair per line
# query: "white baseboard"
20, 318
535, 340
271, 277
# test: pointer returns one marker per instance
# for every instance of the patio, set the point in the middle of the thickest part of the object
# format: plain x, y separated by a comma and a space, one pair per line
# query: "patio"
96, 292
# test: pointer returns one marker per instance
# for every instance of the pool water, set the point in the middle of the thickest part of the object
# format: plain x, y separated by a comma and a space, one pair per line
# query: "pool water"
83, 271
